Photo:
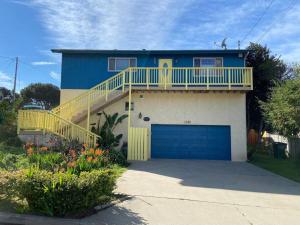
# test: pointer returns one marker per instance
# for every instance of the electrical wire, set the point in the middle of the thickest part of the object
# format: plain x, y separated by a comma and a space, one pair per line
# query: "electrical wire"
257, 21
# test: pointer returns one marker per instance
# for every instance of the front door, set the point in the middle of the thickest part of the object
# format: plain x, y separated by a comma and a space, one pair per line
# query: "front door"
165, 72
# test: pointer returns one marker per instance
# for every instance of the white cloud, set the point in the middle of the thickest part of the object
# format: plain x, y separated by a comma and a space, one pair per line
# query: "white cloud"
54, 75
42, 63
5, 80
166, 24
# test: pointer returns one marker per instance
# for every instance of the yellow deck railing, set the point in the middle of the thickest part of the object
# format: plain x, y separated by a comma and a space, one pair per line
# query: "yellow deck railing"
190, 77
49, 122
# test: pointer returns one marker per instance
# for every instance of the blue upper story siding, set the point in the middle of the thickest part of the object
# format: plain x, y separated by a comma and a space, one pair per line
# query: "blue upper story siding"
83, 69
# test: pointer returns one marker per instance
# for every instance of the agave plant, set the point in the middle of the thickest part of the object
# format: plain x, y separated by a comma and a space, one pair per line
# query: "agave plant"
108, 139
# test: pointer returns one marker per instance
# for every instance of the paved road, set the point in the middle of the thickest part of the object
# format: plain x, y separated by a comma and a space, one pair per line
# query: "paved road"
171, 192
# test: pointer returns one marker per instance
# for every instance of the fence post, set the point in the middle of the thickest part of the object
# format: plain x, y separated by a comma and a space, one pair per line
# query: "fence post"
251, 78
18, 123
44, 124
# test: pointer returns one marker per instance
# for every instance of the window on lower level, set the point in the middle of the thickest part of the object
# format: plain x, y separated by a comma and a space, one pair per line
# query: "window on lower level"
120, 63
127, 106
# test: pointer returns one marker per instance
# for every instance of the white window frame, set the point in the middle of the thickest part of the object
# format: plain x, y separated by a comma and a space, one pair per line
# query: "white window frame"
129, 58
198, 74
207, 58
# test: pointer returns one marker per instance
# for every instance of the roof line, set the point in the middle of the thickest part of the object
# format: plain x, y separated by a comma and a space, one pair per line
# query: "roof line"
144, 51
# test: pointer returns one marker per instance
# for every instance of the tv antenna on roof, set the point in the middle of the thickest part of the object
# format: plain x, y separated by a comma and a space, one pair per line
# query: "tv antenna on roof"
223, 44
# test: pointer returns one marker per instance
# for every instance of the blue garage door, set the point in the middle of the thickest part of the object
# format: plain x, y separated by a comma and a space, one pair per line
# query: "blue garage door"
190, 142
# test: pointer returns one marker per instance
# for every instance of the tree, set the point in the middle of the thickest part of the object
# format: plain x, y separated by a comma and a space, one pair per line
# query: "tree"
282, 110
8, 122
47, 94
5, 92
268, 70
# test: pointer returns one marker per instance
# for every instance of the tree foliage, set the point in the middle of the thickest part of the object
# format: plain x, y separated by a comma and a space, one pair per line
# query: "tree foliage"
108, 139
282, 110
8, 122
47, 94
268, 70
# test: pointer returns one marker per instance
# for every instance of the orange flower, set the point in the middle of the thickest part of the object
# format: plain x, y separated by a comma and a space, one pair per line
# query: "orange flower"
29, 151
89, 159
44, 148
92, 151
98, 152
71, 164
84, 145
72, 153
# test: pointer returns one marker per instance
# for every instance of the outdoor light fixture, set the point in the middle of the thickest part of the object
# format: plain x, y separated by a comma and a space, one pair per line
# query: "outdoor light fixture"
140, 115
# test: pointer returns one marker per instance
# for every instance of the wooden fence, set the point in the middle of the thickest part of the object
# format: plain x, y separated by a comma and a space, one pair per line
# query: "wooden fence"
138, 143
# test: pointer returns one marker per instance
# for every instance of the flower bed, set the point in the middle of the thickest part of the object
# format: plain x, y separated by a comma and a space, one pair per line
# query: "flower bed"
61, 183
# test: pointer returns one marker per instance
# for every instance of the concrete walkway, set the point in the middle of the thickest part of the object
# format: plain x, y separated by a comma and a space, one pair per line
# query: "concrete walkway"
202, 192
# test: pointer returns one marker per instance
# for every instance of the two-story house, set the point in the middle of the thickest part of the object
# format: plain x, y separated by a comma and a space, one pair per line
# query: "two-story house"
183, 104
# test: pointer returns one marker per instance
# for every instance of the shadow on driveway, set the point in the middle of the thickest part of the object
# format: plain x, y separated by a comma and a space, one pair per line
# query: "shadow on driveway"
240, 176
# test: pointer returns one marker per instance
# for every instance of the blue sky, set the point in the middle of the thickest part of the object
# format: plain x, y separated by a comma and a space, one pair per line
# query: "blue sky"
30, 28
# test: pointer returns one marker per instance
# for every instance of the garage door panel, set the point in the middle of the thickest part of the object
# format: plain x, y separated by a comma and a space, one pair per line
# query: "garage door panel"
190, 142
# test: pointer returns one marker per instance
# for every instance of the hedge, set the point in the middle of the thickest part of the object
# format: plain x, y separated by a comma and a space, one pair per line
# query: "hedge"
59, 194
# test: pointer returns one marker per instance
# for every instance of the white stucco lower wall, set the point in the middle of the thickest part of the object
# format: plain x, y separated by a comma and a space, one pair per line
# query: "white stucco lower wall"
187, 108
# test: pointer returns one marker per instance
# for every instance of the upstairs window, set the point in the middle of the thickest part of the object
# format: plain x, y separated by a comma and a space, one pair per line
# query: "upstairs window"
208, 62
119, 64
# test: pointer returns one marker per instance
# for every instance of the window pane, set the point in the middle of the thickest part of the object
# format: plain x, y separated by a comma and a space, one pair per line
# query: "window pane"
219, 62
111, 64
127, 106
132, 62
208, 62
122, 64
196, 62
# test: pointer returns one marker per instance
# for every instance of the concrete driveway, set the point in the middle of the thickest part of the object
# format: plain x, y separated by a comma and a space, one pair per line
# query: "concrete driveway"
187, 192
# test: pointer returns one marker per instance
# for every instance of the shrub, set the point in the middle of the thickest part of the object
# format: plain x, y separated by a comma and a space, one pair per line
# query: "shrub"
59, 194
117, 157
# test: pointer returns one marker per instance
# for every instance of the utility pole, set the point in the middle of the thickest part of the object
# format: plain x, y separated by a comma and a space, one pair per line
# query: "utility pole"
15, 79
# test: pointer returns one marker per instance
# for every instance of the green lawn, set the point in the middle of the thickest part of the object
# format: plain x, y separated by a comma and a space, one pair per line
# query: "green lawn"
286, 168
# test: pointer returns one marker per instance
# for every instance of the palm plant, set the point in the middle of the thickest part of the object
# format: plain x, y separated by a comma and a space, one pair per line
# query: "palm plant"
108, 139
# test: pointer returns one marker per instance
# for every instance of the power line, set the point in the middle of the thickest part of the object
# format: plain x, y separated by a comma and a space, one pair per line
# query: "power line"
289, 8
257, 21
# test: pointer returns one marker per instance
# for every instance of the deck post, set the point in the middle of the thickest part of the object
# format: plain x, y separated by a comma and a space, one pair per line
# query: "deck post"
207, 78
129, 99
129, 115
88, 113
147, 78
106, 90
123, 78
186, 79
229, 79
